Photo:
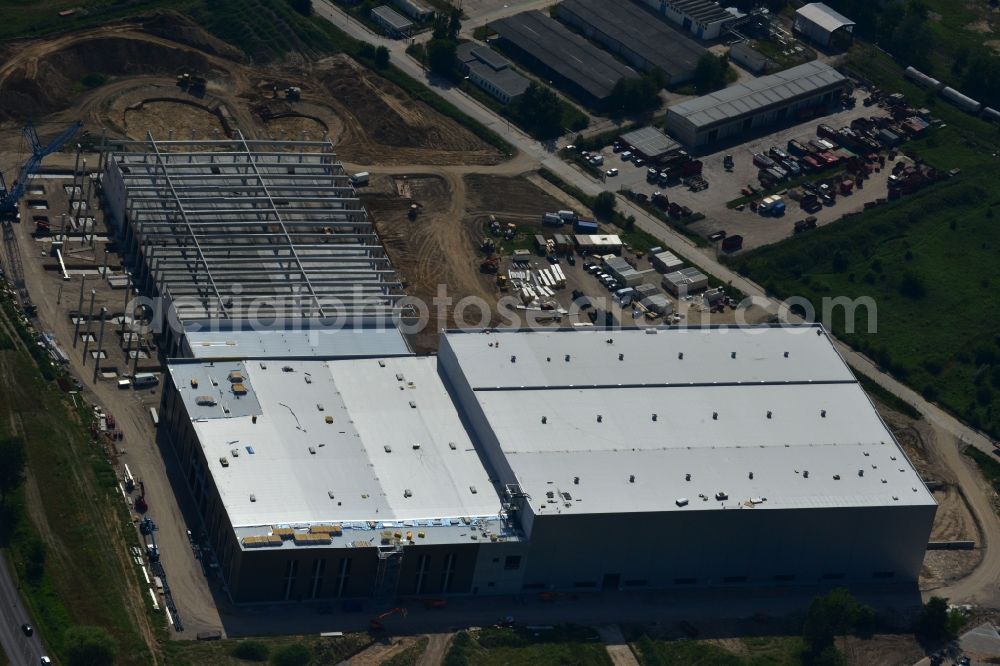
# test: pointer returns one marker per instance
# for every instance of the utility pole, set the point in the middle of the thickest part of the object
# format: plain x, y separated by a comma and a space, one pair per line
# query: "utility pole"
90, 316
100, 343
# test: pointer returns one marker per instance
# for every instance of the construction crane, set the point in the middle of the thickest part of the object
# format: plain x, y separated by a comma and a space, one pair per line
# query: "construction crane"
375, 624
10, 197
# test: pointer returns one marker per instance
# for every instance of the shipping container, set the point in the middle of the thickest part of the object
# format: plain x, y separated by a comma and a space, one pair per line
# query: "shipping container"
732, 243
552, 220
144, 379
585, 227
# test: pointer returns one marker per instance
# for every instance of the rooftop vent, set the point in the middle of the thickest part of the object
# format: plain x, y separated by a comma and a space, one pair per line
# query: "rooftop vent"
654, 416
312, 450
381, 364
621, 357
235, 376
205, 401
513, 359
287, 368
715, 416
224, 461
416, 447
836, 477
451, 445
631, 478
861, 472
309, 379
253, 498
680, 356
388, 449
399, 376
721, 496
822, 413
576, 480
194, 383
805, 474
687, 477
329, 419
600, 418
786, 354
413, 404
407, 493
329, 494
751, 476
681, 501
768, 413
567, 358
239, 389
732, 355
473, 490
234, 453
545, 419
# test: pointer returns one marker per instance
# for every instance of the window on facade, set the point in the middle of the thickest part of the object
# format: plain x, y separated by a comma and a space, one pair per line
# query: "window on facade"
784, 578
318, 569
448, 573
684, 581
584, 583
734, 579
833, 576
291, 569
512, 562
636, 582
884, 574
533, 586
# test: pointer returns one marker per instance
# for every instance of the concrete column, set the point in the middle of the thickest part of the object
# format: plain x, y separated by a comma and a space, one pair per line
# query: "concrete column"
90, 316
100, 344
79, 312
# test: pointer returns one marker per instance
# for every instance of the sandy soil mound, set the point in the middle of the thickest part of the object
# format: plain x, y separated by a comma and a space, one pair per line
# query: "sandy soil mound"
40, 85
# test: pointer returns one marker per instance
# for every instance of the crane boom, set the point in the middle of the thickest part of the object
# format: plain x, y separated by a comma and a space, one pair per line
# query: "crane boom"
9, 198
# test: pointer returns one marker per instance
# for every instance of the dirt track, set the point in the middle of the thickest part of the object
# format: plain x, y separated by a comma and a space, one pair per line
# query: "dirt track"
371, 120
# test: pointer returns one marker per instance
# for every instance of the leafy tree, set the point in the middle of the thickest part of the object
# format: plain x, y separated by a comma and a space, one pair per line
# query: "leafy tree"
295, 654
540, 111
932, 625
12, 461
381, 57
89, 646
251, 650
604, 205
303, 7
836, 614
631, 96
912, 286
454, 23
710, 73
441, 57
34, 560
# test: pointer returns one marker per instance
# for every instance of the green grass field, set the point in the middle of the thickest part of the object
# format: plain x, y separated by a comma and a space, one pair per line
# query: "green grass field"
758, 651
79, 582
579, 646
930, 263
219, 653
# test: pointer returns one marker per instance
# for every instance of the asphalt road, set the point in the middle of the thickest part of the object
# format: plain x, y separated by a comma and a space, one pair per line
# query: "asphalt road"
19, 648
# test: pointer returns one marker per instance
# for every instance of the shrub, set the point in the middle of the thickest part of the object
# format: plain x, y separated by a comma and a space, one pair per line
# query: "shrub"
251, 650
295, 654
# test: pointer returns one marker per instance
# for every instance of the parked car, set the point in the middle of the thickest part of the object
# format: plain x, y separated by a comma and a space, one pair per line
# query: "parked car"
777, 153
638, 161
27, 629
626, 156
611, 173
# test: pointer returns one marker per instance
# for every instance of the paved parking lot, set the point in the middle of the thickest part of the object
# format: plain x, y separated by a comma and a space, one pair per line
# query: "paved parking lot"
757, 230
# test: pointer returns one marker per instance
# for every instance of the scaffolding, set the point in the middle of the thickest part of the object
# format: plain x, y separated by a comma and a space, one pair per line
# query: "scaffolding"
243, 228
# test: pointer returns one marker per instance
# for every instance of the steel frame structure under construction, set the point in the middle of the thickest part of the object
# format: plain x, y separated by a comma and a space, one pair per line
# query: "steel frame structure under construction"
238, 229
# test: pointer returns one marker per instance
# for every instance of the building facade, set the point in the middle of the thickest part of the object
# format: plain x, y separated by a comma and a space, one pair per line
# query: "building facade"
547, 460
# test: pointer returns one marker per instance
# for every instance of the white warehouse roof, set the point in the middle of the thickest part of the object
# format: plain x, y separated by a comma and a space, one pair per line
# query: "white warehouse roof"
374, 405
747, 422
823, 16
749, 97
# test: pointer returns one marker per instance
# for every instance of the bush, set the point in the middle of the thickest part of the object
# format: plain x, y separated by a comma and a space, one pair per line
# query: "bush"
295, 654
303, 7
251, 650
89, 646
932, 625
94, 80
381, 57
604, 205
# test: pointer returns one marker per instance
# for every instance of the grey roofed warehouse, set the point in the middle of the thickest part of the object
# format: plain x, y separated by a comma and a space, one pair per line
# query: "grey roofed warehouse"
633, 33
755, 103
822, 24
567, 57
649, 142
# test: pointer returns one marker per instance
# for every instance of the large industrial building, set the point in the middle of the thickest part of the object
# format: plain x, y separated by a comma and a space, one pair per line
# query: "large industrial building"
557, 53
744, 107
702, 18
629, 31
241, 235
548, 460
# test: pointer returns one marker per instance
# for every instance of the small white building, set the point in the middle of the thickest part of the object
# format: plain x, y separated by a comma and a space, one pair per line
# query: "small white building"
823, 26
685, 281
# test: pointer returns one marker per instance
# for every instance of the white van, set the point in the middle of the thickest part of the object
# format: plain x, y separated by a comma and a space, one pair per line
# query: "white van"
360, 179
144, 380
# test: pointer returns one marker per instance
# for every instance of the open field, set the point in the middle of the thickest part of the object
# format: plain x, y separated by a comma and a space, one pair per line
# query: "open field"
65, 512
928, 259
